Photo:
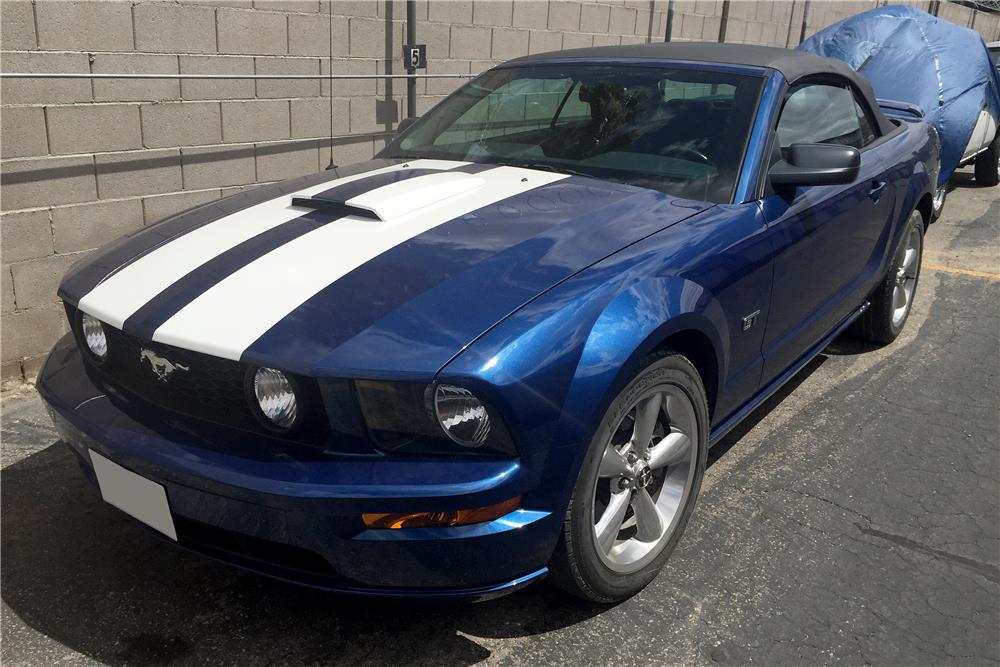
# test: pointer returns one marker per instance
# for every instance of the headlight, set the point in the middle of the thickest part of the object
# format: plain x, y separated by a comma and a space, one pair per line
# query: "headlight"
276, 398
462, 416
415, 418
93, 335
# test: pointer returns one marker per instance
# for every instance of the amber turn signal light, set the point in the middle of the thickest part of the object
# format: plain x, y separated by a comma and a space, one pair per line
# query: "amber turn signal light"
440, 519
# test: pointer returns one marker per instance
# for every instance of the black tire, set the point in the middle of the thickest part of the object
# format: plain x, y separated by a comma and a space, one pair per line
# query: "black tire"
988, 163
880, 323
576, 566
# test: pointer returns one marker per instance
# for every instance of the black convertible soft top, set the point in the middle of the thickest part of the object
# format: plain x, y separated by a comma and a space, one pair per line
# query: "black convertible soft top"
793, 65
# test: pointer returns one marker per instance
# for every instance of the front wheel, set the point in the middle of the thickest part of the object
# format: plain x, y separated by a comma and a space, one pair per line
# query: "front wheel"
892, 299
988, 163
638, 484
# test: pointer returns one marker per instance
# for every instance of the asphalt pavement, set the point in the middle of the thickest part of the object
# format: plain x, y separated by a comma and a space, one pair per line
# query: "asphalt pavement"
854, 519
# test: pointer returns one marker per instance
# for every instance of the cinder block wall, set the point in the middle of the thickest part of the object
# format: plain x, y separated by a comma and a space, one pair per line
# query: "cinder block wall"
85, 161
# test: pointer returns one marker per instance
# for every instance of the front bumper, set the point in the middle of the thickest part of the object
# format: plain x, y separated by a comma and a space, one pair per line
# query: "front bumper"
296, 515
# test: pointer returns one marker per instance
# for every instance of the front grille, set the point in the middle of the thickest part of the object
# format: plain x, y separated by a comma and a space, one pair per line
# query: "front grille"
200, 385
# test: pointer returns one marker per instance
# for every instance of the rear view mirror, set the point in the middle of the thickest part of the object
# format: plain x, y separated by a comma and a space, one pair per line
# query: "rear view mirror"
817, 164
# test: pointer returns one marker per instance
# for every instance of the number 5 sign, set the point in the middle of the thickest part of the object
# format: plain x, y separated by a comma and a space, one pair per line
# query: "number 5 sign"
415, 56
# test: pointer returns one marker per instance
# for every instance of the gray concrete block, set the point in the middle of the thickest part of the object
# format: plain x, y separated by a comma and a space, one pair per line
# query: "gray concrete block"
355, 8
371, 114
44, 91
252, 32
26, 235
310, 35
351, 151
564, 16
36, 280
607, 40
278, 162
446, 86
369, 38
160, 207
437, 37
622, 21
509, 43
595, 18
287, 5
255, 120
348, 87
84, 26
27, 183
93, 127
31, 332
493, 12
531, 14
180, 124
312, 118
23, 130
470, 42
450, 11
217, 89
138, 173
577, 40
287, 87
17, 25
163, 27
87, 226
541, 41
218, 166
135, 90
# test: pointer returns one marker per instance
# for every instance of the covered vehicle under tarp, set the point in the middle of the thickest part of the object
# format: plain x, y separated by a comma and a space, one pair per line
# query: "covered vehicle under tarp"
911, 56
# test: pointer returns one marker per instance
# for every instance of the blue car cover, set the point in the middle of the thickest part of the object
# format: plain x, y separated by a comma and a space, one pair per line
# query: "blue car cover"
914, 57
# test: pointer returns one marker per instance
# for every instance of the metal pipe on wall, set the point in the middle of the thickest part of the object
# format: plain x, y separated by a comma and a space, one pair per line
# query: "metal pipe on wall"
411, 38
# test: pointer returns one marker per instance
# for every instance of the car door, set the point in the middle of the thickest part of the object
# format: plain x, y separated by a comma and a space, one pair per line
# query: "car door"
827, 239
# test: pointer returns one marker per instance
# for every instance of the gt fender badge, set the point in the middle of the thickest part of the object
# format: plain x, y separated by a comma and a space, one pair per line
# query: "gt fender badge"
163, 368
750, 320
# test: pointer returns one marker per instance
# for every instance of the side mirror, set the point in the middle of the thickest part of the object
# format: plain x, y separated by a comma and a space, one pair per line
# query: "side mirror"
817, 164
405, 123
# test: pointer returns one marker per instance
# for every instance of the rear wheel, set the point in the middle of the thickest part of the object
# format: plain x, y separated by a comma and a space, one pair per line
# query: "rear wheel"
892, 300
988, 163
638, 484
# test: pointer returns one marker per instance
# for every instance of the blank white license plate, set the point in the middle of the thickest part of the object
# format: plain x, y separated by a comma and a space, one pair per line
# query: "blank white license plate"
134, 494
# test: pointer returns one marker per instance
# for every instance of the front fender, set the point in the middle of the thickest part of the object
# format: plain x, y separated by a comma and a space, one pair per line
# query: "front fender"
551, 368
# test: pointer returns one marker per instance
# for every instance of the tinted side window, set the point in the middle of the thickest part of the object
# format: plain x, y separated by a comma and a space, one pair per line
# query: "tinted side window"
819, 114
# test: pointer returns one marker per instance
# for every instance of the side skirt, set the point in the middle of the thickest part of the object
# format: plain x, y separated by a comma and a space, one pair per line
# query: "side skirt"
729, 424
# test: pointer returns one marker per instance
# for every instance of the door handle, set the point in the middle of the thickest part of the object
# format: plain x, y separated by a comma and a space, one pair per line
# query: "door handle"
876, 191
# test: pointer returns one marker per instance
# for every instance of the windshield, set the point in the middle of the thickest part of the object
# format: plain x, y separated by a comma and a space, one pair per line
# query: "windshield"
680, 131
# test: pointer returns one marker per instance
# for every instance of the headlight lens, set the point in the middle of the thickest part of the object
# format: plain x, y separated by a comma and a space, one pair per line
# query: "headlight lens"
462, 416
276, 397
93, 335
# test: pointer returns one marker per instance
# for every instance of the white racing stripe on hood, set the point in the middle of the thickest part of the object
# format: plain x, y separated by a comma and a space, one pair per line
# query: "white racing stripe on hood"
115, 299
226, 319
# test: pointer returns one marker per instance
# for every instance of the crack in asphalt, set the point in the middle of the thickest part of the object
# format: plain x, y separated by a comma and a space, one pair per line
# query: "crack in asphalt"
988, 570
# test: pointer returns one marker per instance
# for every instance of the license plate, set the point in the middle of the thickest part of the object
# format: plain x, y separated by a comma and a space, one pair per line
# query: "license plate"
133, 494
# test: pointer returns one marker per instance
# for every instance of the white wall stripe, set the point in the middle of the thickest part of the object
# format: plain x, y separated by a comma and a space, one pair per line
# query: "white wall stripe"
233, 313
124, 292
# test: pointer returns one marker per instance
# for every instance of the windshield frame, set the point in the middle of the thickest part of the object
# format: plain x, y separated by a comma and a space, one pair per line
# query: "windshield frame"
394, 150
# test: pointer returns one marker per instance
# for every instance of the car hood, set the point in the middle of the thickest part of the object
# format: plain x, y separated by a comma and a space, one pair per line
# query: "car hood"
387, 269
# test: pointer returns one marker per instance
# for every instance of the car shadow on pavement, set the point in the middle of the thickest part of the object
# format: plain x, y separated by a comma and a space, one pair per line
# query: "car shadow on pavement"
81, 573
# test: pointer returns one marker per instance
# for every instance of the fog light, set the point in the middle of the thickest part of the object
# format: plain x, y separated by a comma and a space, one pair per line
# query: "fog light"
441, 519
276, 397
462, 416
93, 334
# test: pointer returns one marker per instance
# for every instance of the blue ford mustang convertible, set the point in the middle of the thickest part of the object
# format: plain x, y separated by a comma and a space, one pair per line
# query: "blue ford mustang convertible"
503, 347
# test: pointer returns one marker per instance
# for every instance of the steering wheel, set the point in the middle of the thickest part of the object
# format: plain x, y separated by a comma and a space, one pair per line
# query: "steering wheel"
701, 157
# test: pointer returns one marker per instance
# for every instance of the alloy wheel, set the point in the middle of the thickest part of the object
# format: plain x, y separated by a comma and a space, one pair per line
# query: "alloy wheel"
645, 478
907, 269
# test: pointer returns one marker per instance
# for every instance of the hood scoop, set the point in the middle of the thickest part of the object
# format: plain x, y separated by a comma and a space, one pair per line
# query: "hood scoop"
398, 200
